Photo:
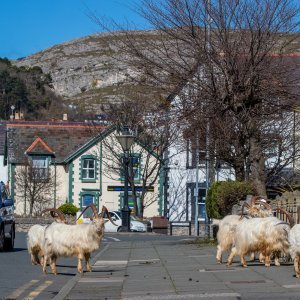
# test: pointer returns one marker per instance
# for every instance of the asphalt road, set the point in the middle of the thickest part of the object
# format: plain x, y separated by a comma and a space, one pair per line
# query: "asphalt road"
21, 280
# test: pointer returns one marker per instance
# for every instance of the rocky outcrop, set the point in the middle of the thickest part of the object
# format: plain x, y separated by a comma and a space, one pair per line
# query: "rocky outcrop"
87, 69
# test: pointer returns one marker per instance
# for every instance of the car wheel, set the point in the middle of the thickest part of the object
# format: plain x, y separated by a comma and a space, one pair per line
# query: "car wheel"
119, 229
9, 242
2, 239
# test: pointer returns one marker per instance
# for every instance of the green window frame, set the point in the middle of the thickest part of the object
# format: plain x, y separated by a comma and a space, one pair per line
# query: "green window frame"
88, 168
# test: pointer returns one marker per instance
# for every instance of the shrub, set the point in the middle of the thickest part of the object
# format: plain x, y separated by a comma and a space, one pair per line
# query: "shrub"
69, 209
224, 194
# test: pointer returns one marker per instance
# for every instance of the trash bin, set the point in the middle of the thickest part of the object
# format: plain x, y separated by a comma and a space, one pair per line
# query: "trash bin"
160, 225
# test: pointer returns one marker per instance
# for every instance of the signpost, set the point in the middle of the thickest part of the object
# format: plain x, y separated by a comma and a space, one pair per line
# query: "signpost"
119, 188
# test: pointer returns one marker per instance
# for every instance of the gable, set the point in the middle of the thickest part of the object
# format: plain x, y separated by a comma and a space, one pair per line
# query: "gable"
39, 147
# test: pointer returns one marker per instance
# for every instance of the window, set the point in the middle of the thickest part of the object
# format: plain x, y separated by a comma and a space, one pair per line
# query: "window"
40, 168
87, 199
88, 168
133, 168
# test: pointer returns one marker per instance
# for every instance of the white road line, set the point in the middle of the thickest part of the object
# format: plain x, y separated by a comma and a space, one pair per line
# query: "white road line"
21, 289
38, 290
114, 239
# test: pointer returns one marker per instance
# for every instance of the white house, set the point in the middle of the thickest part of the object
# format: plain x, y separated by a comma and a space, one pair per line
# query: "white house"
77, 159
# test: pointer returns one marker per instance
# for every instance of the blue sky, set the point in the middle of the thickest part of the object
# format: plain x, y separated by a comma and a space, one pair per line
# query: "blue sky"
29, 26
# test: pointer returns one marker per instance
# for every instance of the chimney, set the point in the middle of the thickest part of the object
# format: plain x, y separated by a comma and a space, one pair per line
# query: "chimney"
65, 117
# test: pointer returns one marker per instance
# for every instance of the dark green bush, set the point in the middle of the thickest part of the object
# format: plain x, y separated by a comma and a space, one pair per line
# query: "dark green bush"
69, 209
223, 195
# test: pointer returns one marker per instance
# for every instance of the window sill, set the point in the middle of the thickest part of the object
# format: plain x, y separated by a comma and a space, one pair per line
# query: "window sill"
88, 180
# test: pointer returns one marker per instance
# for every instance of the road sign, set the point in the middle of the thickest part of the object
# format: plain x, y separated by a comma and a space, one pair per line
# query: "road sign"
120, 188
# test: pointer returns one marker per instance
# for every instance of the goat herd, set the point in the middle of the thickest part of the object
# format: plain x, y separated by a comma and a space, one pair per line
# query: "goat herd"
256, 231
259, 231
47, 243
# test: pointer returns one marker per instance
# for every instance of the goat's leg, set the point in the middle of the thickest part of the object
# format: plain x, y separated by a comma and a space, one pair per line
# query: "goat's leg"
261, 257
45, 264
219, 254
230, 257
87, 257
42, 260
252, 256
79, 264
267, 260
34, 258
53, 264
296, 266
243, 261
276, 258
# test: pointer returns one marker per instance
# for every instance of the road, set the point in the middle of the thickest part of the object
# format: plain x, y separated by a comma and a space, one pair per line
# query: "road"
21, 280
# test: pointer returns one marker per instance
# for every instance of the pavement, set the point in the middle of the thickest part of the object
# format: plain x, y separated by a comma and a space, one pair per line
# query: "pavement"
165, 269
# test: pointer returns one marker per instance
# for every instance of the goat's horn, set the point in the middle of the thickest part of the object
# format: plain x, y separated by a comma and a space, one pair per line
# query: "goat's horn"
244, 204
288, 215
265, 204
87, 207
54, 211
254, 199
104, 209
95, 211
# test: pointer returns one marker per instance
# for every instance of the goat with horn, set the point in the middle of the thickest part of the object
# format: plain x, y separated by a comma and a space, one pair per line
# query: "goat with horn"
264, 235
74, 240
227, 225
35, 236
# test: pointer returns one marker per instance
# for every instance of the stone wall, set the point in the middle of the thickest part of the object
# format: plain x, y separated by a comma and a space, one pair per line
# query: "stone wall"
24, 223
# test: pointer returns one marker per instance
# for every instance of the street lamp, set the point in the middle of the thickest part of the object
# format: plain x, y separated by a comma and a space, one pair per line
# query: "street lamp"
125, 137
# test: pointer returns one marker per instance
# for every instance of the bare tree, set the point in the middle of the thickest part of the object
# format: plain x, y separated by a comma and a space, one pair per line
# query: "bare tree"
155, 135
231, 55
35, 187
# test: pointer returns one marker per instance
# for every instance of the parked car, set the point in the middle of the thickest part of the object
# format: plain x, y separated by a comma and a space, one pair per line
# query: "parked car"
135, 224
7, 220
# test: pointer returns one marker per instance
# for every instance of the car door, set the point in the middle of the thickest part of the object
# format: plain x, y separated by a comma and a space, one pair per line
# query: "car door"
109, 227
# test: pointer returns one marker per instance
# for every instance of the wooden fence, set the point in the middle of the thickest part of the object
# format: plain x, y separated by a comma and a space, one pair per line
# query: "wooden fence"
291, 205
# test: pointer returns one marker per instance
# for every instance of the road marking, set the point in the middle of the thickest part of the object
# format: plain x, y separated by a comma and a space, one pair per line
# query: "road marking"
223, 270
186, 296
291, 286
144, 260
21, 289
101, 279
110, 262
38, 290
114, 239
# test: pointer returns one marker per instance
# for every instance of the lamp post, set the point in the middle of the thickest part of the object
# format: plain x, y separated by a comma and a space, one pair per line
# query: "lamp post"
125, 137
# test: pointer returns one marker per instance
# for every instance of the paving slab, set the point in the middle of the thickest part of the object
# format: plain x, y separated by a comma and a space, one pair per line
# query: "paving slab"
176, 270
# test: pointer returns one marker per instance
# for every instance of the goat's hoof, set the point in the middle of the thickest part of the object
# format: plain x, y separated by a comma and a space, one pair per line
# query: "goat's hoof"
298, 275
245, 266
267, 265
219, 261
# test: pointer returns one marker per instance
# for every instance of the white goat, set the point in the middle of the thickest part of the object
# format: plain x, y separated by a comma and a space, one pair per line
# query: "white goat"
35, 237
294, 240
74, 240
227, 225
265, 235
